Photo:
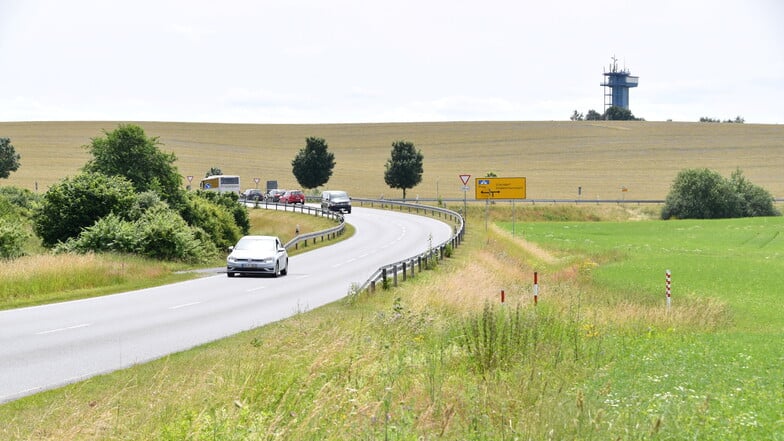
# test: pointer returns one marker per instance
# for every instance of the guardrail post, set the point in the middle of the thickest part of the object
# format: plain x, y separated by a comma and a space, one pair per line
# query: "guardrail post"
372, 286
384, 276
394, 274
405, 275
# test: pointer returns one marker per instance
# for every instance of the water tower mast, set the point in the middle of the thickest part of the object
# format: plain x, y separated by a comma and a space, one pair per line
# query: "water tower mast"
616, 86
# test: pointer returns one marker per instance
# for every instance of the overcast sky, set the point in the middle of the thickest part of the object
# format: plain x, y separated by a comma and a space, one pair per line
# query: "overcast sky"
310, 61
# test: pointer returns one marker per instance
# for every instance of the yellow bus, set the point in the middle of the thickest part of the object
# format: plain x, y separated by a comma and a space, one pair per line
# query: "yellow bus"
221, 183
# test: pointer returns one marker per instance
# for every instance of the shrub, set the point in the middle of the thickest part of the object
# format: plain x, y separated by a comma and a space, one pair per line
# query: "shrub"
754, 200
159, 233
77, 203
705, 194
163, 234
19, 197
12, 239
215, 217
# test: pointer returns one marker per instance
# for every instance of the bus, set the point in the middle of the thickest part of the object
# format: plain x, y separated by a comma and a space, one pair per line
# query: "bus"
221, 184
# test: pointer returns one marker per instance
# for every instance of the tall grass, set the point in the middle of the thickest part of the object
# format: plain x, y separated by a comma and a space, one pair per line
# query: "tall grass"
45, 278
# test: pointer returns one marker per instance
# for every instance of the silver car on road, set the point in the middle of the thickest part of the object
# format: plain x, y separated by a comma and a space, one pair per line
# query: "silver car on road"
258, 255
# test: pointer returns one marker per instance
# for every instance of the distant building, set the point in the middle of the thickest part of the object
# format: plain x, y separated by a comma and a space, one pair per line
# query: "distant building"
616, 86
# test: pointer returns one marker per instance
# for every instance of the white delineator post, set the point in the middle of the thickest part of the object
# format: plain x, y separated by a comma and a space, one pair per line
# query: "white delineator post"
536, 287
668, 281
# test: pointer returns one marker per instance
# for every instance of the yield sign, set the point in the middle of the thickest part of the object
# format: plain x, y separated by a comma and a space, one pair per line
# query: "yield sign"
465, 179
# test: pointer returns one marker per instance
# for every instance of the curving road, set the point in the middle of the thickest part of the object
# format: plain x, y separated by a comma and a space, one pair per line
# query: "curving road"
48, 346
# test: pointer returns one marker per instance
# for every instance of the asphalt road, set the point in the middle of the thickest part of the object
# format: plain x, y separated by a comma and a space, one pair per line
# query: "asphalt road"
48, 346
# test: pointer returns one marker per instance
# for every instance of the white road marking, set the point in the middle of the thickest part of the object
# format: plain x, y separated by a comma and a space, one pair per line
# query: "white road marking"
184, 305
51, 331
259, 288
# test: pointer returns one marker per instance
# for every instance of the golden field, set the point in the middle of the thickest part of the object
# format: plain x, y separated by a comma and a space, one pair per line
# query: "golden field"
555, 157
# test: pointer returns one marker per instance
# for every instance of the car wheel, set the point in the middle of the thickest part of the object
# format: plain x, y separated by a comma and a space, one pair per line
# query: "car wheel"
277, 269
229, 274
285, 271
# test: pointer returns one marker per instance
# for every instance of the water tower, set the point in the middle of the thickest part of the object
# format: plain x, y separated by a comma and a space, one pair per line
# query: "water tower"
617, 83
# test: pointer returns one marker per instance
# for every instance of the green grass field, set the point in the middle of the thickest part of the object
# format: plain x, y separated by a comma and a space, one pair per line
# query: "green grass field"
555, 157
720, 380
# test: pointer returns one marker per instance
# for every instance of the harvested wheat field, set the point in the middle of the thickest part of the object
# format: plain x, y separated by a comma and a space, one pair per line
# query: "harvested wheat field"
601, 157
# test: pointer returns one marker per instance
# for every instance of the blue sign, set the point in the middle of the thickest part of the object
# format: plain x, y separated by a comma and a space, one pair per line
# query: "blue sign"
484, 182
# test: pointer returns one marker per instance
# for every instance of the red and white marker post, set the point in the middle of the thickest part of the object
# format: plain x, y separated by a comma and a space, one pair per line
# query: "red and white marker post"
536, 287
667, 282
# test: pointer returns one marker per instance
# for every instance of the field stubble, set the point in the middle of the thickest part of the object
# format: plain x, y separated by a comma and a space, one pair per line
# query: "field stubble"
555, 157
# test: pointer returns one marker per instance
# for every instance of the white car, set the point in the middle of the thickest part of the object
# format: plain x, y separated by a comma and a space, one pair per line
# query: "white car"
258, 255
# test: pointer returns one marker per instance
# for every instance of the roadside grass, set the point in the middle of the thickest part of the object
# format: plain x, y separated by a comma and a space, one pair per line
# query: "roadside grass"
46, 278
440, 357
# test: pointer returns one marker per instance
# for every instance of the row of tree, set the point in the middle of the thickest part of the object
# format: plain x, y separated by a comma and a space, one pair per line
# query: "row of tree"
613, 113
738, 120
312, 166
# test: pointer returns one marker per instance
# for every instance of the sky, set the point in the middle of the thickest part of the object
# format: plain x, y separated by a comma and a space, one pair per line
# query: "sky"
365, 61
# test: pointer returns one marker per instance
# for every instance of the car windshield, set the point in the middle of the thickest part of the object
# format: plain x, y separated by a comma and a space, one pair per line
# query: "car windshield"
339, 194
266, 244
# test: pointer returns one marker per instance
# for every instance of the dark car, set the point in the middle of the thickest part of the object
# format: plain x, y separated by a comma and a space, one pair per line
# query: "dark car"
258, 255
336, 201
292, 197
274, 195
252, 195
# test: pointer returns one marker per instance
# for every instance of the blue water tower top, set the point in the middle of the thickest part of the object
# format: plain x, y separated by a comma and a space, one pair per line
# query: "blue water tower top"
618, 81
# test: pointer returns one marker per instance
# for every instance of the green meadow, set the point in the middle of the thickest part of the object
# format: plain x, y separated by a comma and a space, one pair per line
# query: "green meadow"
715, 369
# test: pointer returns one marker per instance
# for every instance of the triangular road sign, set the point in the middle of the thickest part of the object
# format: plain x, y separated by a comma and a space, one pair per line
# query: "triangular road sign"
465, 179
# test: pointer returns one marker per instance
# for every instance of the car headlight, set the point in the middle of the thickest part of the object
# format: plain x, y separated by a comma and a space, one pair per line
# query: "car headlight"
231, 259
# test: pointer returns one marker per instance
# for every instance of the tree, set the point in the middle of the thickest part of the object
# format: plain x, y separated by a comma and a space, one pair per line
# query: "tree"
615, 113
593, 115
404, 168
128, 152
313, 164
576, 116
213, 171
9, 159
76, 203
755, 200
705, 194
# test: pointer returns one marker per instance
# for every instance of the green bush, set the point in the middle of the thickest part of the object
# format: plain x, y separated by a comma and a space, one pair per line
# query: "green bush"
12, 239
705, 194
159, 233
163, 234
216, 218
77, 203
21, 198
228, 201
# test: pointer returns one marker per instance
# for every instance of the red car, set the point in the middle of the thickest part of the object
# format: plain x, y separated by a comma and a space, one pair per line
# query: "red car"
292, 197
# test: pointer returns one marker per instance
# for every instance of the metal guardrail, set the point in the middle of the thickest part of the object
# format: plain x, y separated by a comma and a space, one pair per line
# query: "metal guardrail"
329, 233
407, 267
543, 201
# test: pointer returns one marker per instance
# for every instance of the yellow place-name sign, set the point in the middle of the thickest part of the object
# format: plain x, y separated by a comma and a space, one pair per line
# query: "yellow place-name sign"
500, 188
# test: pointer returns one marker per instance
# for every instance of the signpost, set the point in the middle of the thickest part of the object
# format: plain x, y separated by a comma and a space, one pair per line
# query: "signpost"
464, 179
500, 188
